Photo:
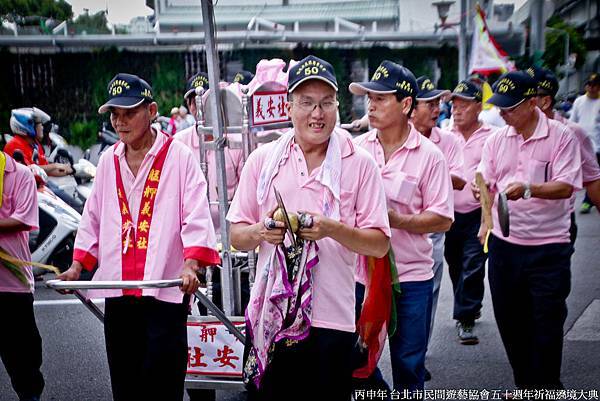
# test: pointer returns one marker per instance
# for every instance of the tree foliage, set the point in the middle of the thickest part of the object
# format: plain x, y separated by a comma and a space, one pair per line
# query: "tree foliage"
555, 44
90, 23
57, 9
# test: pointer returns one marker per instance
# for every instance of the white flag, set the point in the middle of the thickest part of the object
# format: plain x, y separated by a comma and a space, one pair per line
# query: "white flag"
486, 55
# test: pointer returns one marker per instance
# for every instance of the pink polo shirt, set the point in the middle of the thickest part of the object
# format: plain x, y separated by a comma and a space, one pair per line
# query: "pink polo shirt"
451, 150
416, 180
551, 154
234, 161
181, 226
464, 202
19, 201
362, 206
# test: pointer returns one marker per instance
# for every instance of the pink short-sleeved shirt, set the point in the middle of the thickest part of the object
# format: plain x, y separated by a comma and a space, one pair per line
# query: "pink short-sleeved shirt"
19, 201
234, 162
181, 226
551, 154
362, 206
416, 180
464, 202
451, 150
590, 171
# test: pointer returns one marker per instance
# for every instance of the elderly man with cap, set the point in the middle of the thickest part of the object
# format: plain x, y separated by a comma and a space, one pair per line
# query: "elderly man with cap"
425, 118
547, 87
463, 251
586, 112
419, 198
341, 188
535, 163
147, 218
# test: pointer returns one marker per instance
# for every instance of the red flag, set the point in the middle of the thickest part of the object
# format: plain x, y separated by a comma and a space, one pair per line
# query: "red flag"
377, 314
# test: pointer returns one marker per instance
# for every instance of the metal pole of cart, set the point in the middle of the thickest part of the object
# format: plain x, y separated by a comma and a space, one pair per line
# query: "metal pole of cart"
218, 129
75, 286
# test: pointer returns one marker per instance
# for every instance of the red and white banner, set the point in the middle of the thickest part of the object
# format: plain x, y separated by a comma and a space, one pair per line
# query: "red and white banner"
269, 107
486, 54
213, 350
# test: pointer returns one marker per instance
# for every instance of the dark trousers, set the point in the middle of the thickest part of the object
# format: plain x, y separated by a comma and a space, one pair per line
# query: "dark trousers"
529, 287
318, 368
146, 344
573, 230
587, 199
466, 263
21, 344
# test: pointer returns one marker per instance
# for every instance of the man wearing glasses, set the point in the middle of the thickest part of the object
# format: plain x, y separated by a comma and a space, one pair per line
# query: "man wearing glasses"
317, 170
419, 197
536, 162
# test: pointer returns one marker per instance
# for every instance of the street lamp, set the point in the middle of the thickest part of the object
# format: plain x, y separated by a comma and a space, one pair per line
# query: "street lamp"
443, 9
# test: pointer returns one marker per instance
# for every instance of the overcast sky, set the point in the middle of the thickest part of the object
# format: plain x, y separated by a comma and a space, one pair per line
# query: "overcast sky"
121, 11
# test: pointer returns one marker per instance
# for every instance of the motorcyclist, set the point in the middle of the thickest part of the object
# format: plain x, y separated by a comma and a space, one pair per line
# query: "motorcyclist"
28, 126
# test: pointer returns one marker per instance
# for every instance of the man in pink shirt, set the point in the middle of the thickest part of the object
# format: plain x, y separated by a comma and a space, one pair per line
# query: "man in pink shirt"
463, 251
20, 341
318, 170
419, 196
147, 218
536, 163
547, 88
425, 118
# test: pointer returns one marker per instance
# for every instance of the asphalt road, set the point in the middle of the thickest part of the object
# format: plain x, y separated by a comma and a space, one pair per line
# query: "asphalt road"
75, 365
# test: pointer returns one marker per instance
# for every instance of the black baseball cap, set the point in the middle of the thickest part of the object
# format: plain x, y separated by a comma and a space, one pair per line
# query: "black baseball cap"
546, 81
308, 68
512, 88
593, 79
468, 90
389, 77
126, 91
243, 77
427, 89
198, 80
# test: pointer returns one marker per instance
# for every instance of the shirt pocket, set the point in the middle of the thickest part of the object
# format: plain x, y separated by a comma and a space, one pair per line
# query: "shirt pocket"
348, 207
539, 171
404, 188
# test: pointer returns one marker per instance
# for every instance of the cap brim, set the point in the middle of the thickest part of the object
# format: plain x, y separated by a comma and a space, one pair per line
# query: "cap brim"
503, 101
293, 87
460, 95
362, 88
121, 103
433, 94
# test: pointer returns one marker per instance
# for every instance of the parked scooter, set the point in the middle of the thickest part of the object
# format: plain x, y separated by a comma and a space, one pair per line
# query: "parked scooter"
54, 241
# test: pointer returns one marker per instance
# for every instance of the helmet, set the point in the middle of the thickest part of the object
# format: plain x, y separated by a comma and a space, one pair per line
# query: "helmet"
23, 120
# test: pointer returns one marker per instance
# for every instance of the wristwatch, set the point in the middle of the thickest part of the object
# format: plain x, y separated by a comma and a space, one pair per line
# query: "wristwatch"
527, 193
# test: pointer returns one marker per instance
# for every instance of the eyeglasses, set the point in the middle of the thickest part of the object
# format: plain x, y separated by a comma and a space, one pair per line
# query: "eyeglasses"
310, 106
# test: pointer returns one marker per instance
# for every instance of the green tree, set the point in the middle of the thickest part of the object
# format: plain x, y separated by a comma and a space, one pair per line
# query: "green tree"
91, 24
14, 9
555, 44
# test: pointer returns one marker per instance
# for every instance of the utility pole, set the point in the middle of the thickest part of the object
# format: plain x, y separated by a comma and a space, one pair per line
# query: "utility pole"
462, 41
536, 13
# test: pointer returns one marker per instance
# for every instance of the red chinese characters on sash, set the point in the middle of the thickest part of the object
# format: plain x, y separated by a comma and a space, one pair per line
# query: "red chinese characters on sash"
134, 240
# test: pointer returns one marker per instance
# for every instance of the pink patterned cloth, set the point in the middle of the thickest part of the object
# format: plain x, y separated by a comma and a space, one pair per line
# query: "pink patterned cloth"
283, 311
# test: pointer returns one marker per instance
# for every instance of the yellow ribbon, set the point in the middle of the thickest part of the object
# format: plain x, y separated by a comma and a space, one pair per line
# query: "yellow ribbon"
485, 244
2, 167
24, 263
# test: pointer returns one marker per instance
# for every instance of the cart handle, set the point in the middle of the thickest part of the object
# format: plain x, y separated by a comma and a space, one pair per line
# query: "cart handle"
140, 284
112, 285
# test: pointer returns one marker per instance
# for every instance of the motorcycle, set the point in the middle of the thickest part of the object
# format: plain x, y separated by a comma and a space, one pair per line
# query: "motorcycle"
53, 243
